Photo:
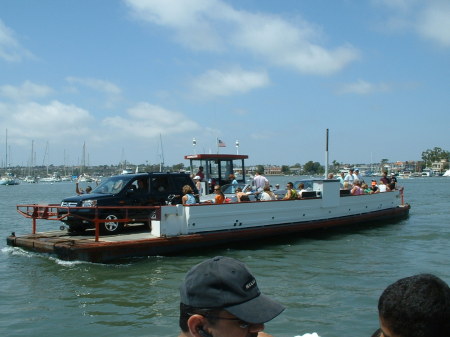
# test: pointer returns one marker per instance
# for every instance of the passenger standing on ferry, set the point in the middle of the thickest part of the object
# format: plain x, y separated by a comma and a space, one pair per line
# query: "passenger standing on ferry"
291, 193
349, 178
357, 176
220, 297
188, 197
220, 197
260, 181
201, 174
198, 184
384, 178
79, 190
341, 177
233, 182
393, 182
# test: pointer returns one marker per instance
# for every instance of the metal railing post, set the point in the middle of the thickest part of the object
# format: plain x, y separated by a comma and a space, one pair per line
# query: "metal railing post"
34, 225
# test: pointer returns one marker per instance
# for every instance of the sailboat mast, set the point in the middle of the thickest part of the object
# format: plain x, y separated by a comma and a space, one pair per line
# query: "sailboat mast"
161, 164
6, 150
30, 171
326, 156
83, 158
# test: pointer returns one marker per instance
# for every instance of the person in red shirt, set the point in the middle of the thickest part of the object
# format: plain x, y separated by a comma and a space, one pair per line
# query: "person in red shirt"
220, 197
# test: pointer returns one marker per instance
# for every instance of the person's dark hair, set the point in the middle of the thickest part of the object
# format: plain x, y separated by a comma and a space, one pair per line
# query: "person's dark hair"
187, 311
417, 306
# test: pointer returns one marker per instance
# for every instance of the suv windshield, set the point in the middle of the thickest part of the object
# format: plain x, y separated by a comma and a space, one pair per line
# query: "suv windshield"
112, 185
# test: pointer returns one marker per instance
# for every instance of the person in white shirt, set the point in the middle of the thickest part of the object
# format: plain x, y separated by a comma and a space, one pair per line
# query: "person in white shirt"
381, 186
267, 194
357, 176
301, 189
259, 181
349, 178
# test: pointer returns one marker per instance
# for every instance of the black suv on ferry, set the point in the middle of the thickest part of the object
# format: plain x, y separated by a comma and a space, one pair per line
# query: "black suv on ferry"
141, 189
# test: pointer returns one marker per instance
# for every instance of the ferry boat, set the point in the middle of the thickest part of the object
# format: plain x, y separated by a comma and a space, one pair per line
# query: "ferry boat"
171, 229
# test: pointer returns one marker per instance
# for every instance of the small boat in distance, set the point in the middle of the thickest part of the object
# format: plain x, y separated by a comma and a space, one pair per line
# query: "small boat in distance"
427, 172
54, 178
404, 174
30, 180
9, 179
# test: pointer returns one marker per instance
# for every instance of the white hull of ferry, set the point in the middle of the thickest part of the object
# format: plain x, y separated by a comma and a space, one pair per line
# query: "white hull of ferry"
208, 218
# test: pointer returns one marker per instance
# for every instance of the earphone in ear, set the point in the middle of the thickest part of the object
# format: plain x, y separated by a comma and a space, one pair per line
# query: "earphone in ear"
203, 333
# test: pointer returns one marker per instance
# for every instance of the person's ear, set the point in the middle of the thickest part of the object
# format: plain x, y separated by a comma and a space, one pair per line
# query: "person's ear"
195, 324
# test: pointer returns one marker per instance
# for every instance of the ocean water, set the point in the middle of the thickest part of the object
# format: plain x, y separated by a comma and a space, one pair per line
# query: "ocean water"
328, 280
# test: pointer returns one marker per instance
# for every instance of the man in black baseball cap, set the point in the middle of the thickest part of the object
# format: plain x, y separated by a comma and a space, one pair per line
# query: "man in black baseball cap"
220, 297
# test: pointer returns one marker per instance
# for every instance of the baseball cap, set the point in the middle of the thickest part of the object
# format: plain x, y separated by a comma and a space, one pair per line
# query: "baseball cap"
223, 282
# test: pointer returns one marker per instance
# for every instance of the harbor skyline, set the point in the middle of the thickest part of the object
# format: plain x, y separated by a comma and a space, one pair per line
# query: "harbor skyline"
126, 77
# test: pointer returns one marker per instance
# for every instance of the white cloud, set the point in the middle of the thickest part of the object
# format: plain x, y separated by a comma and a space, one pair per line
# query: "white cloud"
429, 19
225, 83
28, 90
434, 23
193, 21
146, 120
362, 88
285, 44
10, 48
113, 92
214, 25
53, 121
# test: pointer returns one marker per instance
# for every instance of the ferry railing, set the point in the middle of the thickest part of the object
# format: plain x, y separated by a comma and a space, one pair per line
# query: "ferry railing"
55, 212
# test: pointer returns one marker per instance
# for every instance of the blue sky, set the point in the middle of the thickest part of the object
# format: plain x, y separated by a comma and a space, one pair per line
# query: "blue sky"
120, 75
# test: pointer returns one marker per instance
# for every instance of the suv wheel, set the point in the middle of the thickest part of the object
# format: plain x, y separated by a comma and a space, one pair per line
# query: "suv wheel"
113, 226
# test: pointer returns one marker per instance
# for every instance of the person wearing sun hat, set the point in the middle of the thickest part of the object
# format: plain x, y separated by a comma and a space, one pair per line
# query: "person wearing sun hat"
220, 297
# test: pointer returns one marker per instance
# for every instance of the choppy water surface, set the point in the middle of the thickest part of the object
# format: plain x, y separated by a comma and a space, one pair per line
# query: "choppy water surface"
329, 281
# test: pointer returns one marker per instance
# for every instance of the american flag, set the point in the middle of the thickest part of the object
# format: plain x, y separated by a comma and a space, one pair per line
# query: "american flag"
220, 143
